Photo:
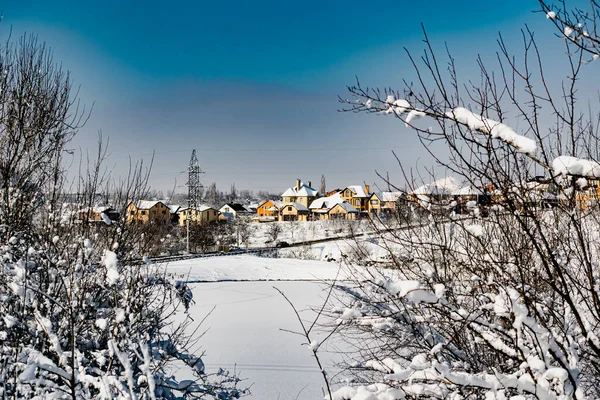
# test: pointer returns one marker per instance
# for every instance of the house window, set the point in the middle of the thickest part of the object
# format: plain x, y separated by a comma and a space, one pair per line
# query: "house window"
131, 212
143, 212
357, 202
290, 208
374, 202
164, 212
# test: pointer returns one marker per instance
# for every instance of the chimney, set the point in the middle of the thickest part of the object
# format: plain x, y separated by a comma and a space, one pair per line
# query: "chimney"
297, 185
309, 185
367, 189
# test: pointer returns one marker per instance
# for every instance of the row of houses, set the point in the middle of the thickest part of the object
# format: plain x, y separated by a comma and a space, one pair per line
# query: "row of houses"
158, 212
304, 203
300, 202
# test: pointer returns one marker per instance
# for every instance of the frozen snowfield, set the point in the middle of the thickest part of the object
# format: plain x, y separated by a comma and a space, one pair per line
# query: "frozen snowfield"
244, 327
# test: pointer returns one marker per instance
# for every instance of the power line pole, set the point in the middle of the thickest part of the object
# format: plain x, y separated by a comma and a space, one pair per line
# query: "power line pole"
194, 192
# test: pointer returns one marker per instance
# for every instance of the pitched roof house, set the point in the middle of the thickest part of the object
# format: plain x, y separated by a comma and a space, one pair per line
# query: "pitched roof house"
148, 212
231, 211
301, 193
357, 196
201, 214
294, 212
268, 210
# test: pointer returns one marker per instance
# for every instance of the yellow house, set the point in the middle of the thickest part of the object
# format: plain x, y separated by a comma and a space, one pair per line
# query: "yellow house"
342, 211
294, 212
148, 212
384, 202
375, 204
301, 193
201, 214
319, 208
357, 197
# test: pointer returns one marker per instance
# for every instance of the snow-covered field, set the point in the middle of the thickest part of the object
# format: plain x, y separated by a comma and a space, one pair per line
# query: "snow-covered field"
293, 232
244, 327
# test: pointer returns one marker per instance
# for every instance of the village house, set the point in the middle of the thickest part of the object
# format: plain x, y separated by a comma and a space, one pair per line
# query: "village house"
384, 203
231, 211
294, 212
320, 207
301, 193
148, 212
105, 214
342, 211
357, 196
199, 215
268, 211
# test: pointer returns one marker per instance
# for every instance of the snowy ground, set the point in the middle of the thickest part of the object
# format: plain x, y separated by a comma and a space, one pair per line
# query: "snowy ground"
253, 268
293, 232
244, 327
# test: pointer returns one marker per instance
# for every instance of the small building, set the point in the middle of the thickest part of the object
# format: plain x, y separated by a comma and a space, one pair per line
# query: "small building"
196, 216
104, 214
342, 211
437, 193
268, 211
148, 212
294, 212
357, 196
319, 208
385, 203
301, 193
231, 211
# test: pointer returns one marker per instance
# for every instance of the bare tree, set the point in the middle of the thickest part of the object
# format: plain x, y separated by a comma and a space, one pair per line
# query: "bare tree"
499, 303
76, 321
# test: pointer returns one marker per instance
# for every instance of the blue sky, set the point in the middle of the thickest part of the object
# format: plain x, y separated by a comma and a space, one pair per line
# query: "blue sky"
253, 85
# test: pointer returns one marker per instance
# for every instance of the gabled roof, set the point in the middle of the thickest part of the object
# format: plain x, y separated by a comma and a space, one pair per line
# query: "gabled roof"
236, 207
390, 196
146, 204
444, 186
326, 202
200, 208
346, 207
296, 205
175, 208
304, 191
276, 203
358, 190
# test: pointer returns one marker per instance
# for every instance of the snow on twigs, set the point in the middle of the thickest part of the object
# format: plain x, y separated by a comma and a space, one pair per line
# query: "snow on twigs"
551, 15
567, 165
568, 31
110, 261
493, 128
412, 115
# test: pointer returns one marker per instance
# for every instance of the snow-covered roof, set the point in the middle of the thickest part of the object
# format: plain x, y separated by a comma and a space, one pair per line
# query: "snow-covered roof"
276, 203
345, 206
304, 190
146, 204
390, 196
235, 206
358, 190
444, 186
175, 208
200, 208
298, 206
326, 202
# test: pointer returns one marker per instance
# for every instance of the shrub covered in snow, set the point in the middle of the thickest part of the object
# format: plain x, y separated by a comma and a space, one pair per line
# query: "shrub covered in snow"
75, 322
